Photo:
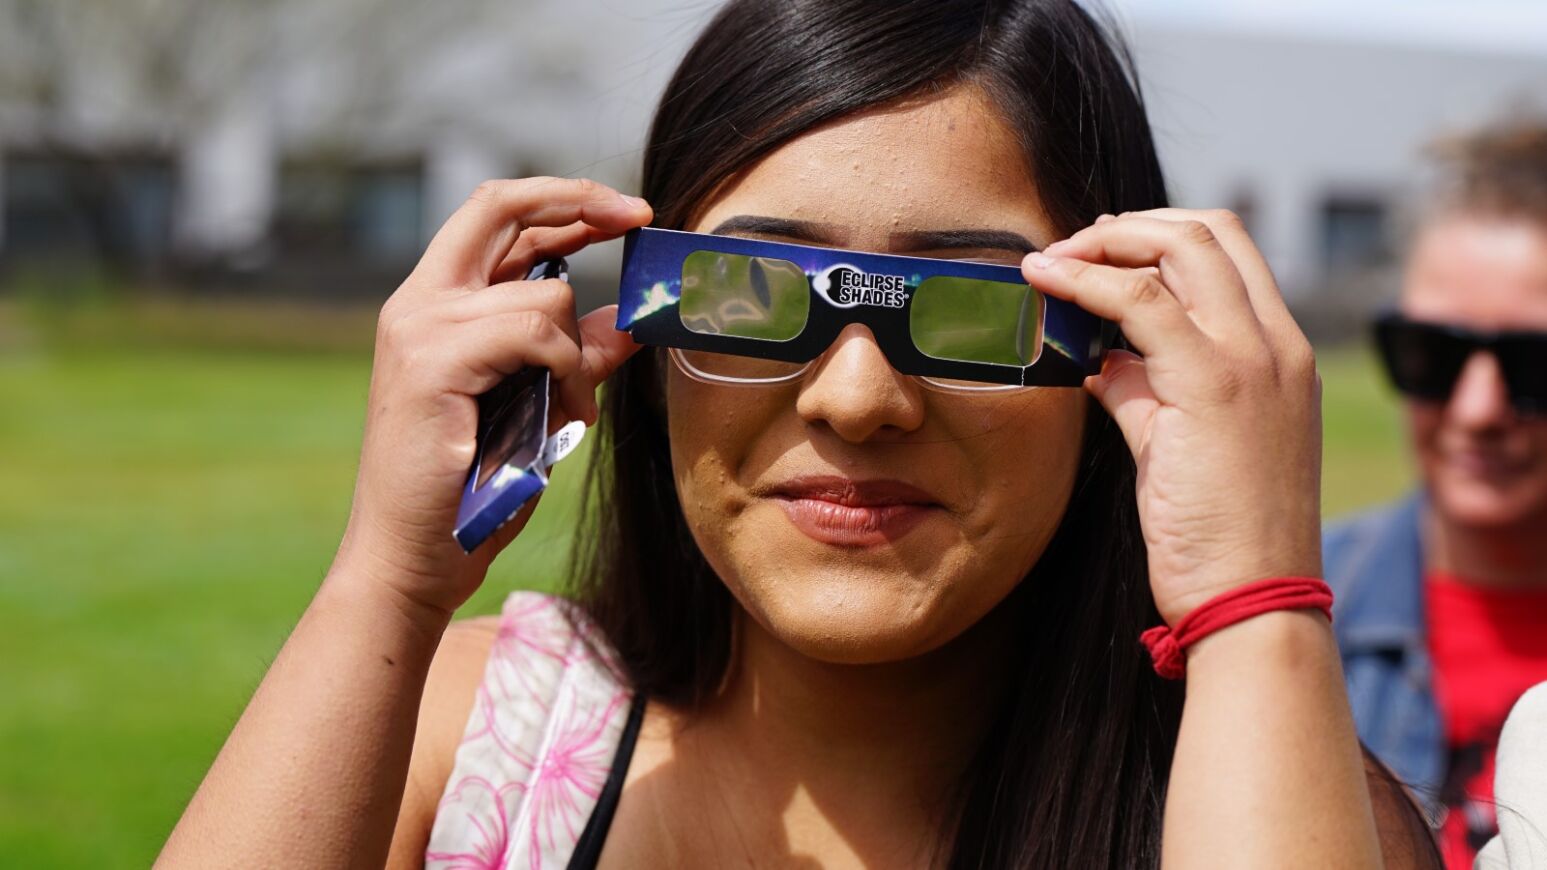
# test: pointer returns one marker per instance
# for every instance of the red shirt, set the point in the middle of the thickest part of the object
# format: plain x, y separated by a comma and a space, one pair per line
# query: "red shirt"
1489, 646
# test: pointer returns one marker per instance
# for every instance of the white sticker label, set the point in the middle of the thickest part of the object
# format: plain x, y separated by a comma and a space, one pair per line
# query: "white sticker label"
563, 442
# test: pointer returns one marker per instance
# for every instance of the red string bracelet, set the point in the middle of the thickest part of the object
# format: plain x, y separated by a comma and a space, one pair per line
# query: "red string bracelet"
1168, 645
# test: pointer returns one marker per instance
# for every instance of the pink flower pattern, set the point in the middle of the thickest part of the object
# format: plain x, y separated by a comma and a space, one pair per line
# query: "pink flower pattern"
539, 743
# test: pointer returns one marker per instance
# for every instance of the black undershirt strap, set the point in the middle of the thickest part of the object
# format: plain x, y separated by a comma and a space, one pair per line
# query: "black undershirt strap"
589, 849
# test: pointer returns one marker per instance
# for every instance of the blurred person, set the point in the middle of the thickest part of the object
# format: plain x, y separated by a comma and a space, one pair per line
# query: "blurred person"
1442, 598
1521, 788
846, 616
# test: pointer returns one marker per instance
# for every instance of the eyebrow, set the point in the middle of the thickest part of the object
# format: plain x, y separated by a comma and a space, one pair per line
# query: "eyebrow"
758, 225
967, 239
917, 240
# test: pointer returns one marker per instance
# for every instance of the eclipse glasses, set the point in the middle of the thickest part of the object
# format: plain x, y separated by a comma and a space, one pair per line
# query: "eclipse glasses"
743, 311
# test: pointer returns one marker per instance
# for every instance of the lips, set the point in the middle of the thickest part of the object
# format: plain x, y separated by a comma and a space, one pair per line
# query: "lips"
1486, 463
853, 513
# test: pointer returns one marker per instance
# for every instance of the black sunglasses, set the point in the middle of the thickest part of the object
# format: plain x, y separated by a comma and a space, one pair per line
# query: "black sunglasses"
1424, 360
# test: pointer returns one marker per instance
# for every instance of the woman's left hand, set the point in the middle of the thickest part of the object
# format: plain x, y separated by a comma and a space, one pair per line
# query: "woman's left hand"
1223, 410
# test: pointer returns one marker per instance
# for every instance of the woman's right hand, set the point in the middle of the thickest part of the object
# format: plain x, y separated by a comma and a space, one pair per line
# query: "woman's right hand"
460, 323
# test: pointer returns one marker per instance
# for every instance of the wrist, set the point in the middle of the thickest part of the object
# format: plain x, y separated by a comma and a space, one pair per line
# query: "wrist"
369, 593
437, 580
1278, 641
1222, 577
1168, 644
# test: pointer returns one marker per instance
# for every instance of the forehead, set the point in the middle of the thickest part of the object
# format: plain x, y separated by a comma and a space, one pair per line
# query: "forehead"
942, 162
1479, 271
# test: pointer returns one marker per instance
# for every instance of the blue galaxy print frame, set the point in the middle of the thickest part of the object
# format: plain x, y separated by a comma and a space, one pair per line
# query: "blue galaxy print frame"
1073, 341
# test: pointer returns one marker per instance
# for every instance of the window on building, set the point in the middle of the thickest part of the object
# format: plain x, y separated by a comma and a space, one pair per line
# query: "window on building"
115, 208
336, 210
1354, 233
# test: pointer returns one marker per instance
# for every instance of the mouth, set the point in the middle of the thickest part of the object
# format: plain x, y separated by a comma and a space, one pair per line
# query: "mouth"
853, 513
1487, 464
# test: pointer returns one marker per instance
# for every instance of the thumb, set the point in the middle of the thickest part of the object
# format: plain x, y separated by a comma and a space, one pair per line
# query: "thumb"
1123, 389
603, 349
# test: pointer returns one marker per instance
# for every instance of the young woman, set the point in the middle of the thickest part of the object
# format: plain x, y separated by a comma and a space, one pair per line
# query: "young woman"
854, 618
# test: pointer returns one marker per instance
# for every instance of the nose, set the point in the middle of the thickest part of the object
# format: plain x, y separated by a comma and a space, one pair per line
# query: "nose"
1481, 396
854, 391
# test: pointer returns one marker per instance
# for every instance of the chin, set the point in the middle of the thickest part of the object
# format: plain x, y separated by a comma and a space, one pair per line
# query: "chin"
1482, 505
852, 620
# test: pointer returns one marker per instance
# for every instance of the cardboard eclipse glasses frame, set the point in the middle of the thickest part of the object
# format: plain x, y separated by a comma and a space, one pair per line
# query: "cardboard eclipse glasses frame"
758, 310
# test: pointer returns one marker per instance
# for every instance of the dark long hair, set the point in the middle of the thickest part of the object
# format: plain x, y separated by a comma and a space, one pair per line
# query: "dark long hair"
1073, 770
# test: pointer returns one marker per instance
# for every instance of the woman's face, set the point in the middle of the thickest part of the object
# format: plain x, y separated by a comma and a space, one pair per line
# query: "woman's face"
858, 515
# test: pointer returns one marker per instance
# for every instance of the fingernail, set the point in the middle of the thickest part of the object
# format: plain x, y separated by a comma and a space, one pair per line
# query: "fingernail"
631, 201
1039, 260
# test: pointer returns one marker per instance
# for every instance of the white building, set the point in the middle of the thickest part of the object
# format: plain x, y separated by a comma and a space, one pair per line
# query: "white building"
352, 146
1319, 140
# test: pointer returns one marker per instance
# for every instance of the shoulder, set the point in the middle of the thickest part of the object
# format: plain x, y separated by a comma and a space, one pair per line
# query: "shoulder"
449, 693
541, 633
529, 621
1520, 788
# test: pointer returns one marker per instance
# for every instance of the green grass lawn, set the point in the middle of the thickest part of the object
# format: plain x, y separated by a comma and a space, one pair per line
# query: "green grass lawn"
165, 514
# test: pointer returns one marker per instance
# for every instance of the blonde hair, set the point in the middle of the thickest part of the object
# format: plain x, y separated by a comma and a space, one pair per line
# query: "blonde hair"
1498, 171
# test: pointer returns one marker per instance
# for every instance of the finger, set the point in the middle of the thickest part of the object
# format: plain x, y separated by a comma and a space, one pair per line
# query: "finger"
1135, 299
478, 237
1192, 262
1261, 287
604, 349
551, 296
537, 244
477, 354
605, 346
1124, 390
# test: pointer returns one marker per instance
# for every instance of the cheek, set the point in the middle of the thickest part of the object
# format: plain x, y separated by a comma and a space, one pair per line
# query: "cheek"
714, 431
1025, 463
1464, 495
1424, 422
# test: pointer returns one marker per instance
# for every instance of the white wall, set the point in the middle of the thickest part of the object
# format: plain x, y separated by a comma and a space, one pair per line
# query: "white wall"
228, 181
1294, 119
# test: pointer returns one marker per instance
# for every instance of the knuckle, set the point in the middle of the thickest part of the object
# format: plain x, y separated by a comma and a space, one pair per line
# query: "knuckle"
488, 192
1225, 219
393, 329
1196, 232
390, 312
550, 297
1145, 289
588, 188
403, 333
554, 294
535, 327
1297, 367
1300, 358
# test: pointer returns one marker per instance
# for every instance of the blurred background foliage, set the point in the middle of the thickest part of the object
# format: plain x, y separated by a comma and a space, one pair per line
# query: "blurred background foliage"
204, 202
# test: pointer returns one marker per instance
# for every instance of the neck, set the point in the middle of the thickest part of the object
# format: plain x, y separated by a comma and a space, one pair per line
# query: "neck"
865, 746
1503, 557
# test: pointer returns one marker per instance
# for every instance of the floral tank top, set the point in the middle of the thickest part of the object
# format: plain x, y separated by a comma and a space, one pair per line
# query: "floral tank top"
540, 743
